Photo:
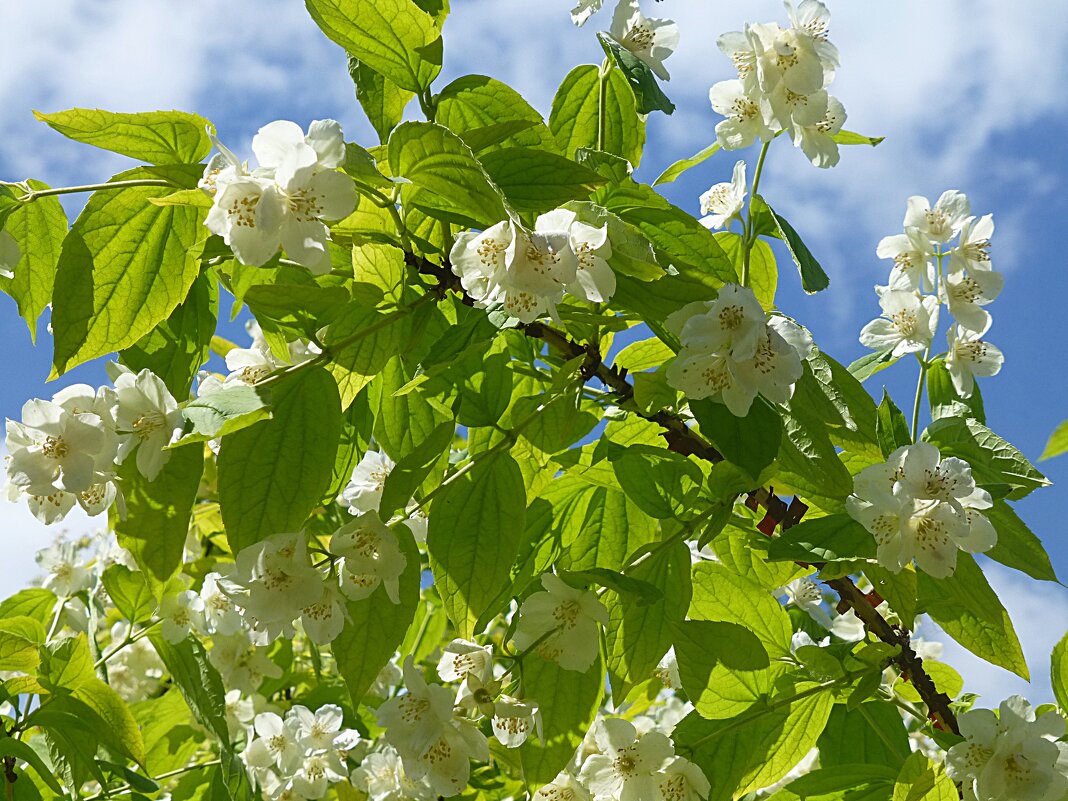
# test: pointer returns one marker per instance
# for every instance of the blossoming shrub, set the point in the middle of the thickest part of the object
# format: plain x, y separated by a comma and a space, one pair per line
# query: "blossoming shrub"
432, 533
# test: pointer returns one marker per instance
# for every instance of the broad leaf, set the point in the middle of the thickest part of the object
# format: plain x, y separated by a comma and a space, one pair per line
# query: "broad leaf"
724, 667
673, 172
574, 117
721, 595
156, 137
536, 181
476, 102
823, 539
647, 92
381, 100
751, 442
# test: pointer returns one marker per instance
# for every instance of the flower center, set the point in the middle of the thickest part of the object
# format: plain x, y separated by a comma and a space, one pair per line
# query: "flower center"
906, 322
490, 251
715, 200
979, 250
625, 764
674, 788
305, 205
731, 317
967, 291
147, 424
743, 109
277, 742
242, 211
640, 37
937, 223
412, 709
55, 448
566, 614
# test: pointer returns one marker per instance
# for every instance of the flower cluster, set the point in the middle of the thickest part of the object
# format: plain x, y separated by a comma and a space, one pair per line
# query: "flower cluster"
300, 755
1011, 754
561, 624
65, 451
783, 74
732, 351
920, 506
363, 493
529, 271
281, 203
928, 271
253, 364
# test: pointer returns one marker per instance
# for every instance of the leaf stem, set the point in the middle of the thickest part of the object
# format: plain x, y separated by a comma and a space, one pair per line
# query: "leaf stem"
920, 383
170, 774
747, 242
34, 194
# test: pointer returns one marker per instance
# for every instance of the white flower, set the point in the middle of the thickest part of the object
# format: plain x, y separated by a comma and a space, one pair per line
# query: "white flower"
220, 615
381, 775
273, 583
911, 252
371, 556
317, 730
53, 449
848, 627
223, 165
734, 322
805, 594
745, 119
247, 214
136, 670
276, 745
969, 356
941, 223
907, 325
667, 670
651, 40
242, 665
817, 139
147, 419
324, 619
564, 787
240, 713
64, 573
965, 293
180, 612
9, 254
973, 251
432, 742
582, 11
595, 280
628, 766
460, 658
813, 18
363, 493
723, 202
317, 771
919, 506
563, 621
1011, 755
681, 780
514, 720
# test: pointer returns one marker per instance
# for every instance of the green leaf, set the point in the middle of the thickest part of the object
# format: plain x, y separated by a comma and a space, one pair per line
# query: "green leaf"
922, 780
763, 271
198, 681
125, 266
402, 421
823, 539
394, 37
943, 397
867, 366
721, 595
850, 138
180, 345
1059, 672
39, 228
672, 173
361, 341
661, 483
808, 460
647, 92
406, 476
899, 589
35, 602
130, 592
597, 526
536, 181
224, 411
65, 665
157, 137
1058, 443
375, 626
1017, 545
860, 782
574, 115
891, 427
813, 278
19, 638
993, 460
756, 748
724, 668
969, 611
476, 527
272, 474
568, 701
750, 442
156, 524
10, 747
872, 734
476, 102
381, 100
639, 634
447, 181
117, 725
841, 401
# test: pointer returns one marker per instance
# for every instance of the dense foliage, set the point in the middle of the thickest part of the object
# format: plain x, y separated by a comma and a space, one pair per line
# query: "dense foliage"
433, 533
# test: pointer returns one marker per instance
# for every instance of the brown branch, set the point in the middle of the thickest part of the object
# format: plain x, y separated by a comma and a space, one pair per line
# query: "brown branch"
684, 440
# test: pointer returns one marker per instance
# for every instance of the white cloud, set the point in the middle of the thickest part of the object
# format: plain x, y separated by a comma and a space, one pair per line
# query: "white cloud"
1039, 612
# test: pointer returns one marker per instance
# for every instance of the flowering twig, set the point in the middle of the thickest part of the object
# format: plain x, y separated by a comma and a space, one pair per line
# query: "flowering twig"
684, 440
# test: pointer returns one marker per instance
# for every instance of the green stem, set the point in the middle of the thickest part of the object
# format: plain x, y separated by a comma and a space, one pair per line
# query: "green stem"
34, 194
602, 101
170, 774
747, 242
920, 383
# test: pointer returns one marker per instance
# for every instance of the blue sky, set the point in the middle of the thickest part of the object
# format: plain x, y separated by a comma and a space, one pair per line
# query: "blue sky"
968, 93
